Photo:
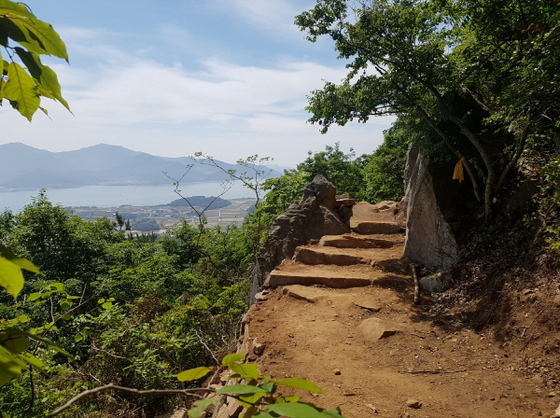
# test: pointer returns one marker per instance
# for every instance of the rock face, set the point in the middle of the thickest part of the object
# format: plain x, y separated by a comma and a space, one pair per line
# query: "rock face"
429, 239
312, 218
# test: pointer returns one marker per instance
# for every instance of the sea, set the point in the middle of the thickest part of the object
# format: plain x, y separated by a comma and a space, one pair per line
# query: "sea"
114, 196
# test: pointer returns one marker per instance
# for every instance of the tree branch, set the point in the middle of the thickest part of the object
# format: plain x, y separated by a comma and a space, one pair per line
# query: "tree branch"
189, 392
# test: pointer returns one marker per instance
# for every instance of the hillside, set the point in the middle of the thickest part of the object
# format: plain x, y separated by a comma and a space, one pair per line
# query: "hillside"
25, 167
353, 328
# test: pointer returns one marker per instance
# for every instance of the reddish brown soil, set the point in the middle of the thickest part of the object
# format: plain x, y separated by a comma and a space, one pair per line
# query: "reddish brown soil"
311, 332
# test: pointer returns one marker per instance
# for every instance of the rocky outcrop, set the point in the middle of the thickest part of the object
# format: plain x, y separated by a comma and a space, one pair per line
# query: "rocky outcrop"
429, 239
312, 218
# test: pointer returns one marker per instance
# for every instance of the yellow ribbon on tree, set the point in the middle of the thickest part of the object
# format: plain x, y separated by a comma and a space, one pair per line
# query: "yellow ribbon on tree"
458, 171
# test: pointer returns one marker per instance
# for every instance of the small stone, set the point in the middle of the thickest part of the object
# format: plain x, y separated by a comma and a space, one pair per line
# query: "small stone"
373, 408
260, 297
552, 394
337, 372
258, 348
413, 403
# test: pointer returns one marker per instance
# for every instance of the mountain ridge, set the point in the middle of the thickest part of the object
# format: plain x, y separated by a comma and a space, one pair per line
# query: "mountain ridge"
25, 167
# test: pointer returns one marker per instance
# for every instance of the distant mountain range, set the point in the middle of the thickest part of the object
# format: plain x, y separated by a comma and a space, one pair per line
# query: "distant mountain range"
24, 167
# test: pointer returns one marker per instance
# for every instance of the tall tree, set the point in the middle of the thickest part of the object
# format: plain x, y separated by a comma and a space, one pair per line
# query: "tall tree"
443, 61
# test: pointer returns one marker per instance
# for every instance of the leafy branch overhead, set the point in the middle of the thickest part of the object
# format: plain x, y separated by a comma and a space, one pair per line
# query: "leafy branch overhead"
24, 81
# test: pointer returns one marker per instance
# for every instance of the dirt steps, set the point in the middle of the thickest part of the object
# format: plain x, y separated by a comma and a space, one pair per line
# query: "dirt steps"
344, 261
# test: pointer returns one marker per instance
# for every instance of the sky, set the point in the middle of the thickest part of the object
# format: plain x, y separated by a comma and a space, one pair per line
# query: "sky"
228, 78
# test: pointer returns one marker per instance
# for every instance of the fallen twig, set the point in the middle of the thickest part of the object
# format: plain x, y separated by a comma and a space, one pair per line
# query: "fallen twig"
190, 392
416, 285
432, 371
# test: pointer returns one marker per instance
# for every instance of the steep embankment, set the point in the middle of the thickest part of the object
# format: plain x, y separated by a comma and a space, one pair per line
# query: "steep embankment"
354, 330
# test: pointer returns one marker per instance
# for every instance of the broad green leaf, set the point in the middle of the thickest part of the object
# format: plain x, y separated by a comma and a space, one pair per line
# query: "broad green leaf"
37, 36
300, 384
11, 277
193, 374
247, 401
22, 263
10, 366
270, 388
17, 344
47, 78
251, 412
14, 9
245, 370
23, 319
233, 358
264, 414
21, 88
335, 413
107, 305
200, 407
47, 342
32, 360
65, 304
33, 296
239, 390
300, 410
59, 287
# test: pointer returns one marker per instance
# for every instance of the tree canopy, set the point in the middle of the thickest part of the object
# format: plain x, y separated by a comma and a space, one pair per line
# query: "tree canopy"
480, 73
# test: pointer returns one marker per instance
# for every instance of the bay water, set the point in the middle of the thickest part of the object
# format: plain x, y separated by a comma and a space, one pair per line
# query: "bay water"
112, 196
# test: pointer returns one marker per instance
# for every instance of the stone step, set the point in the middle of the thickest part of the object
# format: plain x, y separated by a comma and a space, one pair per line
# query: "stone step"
370, 227
292, 272
360, 241
313, 255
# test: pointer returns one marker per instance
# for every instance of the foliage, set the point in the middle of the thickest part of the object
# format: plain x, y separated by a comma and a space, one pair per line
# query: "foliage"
282, 191
474, 70
24, 83
256, 393
549, 201
343, 170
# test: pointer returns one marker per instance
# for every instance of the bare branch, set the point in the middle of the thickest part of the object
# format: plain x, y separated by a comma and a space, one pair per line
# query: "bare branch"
187, 392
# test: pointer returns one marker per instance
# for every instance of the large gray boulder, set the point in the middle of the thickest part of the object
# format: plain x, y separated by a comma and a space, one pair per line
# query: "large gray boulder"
429, 238
312, 218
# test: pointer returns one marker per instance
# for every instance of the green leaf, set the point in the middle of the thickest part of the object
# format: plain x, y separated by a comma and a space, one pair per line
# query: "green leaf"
11, 277
59, 287
12, 9
107, 305
233, 358
200, 409
36, 35
245, 370
300, 384
10, 366
22, 263
270, 388
21, 88
46, 77
32, 360
301, 410
251, 412
247, 401
33, 296
17, 344
193, 374
239, 390
23, 319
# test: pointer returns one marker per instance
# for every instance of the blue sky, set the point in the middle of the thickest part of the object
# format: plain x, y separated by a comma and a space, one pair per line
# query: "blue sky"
225, 77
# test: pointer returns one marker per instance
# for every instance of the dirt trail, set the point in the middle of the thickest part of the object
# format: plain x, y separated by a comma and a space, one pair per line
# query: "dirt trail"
375, 353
